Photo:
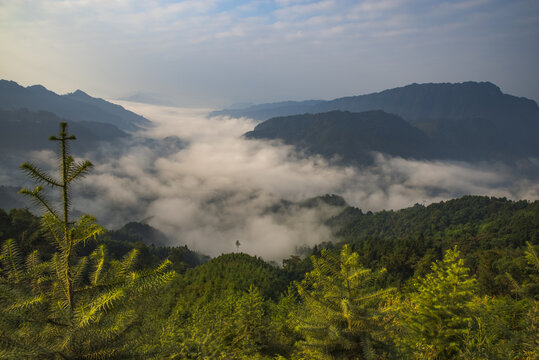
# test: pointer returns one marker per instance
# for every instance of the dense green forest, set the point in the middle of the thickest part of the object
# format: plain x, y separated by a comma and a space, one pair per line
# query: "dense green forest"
452, 280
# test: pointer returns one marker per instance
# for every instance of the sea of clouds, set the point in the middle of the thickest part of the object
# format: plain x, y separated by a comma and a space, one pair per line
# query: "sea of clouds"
213, 187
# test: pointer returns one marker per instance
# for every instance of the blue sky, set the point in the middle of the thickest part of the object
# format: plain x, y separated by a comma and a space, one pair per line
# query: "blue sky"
213, 53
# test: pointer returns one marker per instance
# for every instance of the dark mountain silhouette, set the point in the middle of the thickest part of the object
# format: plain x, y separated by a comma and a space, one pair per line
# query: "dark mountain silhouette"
137, 231
76, 106
350, 137
466, 121
457, 114
418, 102
287, 207
24, 130
414, 103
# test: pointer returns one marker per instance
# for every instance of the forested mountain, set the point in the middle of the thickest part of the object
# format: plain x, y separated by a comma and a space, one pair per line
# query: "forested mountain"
75, 107
22, 130
465, 121
415, 103
455, 278
284, 206
353, 137
29, 115
235, 272
487, 231
478, 225
136, 231
350, 136
418, 102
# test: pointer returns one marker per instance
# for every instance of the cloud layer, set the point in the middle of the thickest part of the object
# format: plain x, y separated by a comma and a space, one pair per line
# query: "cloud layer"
218, 187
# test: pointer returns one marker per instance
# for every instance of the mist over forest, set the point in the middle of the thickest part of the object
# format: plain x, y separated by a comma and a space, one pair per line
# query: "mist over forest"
209, 186
211, 179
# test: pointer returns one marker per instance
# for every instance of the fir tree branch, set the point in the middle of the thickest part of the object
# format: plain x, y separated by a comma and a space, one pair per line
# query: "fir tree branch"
39, 199
39, 175
79, 170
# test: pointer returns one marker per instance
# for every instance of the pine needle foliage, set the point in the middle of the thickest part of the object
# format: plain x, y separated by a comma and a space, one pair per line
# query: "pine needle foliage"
70, 307
343, 313
65, 233
531, 343
233, 326
531, 286
11, 260
441, 312
250, 327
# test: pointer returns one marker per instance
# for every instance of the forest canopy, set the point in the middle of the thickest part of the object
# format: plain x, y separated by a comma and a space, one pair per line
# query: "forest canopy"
455, 279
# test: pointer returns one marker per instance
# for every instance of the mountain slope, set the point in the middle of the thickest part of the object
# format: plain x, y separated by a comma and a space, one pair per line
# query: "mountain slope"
234, 272
23, 130
77, 106
266, 111
136, 231
352, 137
487, 230
349, 136
418, 102
415, 102
447, 110
465, 121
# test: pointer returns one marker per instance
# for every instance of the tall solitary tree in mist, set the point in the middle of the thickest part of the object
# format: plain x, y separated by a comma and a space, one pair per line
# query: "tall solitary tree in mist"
69, 307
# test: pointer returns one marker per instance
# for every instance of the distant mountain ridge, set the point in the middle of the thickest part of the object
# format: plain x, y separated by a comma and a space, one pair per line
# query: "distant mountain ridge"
24, 130
75, 106
352, 138
414, 103
263, 112
466, 121
418, 102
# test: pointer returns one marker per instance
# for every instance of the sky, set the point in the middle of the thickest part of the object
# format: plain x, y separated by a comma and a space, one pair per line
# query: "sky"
214, 53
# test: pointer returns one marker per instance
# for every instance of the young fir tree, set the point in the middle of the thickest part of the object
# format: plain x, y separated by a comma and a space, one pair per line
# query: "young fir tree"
250, 323
439, 317
69, 307
343, 314
231, 326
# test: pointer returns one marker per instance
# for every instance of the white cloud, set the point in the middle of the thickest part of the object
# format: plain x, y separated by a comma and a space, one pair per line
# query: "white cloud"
218, 188
306, 9
114, 47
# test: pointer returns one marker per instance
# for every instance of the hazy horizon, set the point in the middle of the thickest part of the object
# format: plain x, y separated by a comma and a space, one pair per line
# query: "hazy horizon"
213, 53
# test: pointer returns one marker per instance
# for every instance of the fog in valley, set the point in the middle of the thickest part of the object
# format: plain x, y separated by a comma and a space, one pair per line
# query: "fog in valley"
212, 187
